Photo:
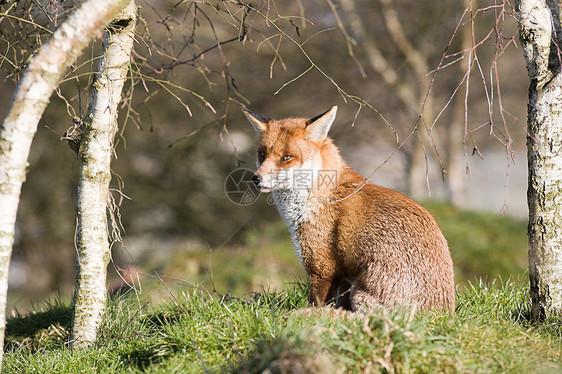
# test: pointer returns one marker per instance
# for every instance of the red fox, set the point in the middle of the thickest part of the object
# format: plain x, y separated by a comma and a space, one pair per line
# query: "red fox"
362, 245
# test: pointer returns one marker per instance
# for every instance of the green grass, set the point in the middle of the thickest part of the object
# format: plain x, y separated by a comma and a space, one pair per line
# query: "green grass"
200, 332
186, 319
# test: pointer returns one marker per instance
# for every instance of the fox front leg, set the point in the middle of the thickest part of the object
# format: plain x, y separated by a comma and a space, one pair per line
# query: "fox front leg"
319, 289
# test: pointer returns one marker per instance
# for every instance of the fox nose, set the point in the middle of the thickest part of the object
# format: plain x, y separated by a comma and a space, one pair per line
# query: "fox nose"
256, 179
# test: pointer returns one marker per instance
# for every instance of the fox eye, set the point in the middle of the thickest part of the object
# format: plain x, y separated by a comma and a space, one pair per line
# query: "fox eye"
261, 155
286, 158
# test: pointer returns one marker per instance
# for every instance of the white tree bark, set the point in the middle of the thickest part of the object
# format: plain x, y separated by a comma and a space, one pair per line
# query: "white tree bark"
28, 103
95, 153
541, 39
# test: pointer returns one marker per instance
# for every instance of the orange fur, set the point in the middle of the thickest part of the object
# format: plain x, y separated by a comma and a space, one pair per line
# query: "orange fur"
362, 245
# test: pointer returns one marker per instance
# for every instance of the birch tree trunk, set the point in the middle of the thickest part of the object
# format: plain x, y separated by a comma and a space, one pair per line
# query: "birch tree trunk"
28, 103
541, 39
95, 153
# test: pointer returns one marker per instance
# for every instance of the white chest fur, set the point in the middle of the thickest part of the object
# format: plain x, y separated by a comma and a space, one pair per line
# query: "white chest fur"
293, 207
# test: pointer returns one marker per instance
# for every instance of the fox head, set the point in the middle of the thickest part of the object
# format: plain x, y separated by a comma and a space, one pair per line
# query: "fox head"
290, 151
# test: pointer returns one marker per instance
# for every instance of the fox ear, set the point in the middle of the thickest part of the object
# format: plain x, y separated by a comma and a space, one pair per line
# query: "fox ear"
257, 120
317, 128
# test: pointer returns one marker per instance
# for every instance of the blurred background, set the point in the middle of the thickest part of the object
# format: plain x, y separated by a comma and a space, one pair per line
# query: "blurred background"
432, 103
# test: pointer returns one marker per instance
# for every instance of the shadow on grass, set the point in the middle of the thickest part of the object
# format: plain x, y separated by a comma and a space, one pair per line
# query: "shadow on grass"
551, 326
45, 328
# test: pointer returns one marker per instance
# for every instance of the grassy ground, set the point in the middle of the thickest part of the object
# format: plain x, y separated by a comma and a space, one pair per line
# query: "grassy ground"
174, 326
199, 332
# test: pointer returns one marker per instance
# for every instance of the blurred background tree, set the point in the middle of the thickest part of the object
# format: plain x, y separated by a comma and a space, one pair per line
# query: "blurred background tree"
182, 133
